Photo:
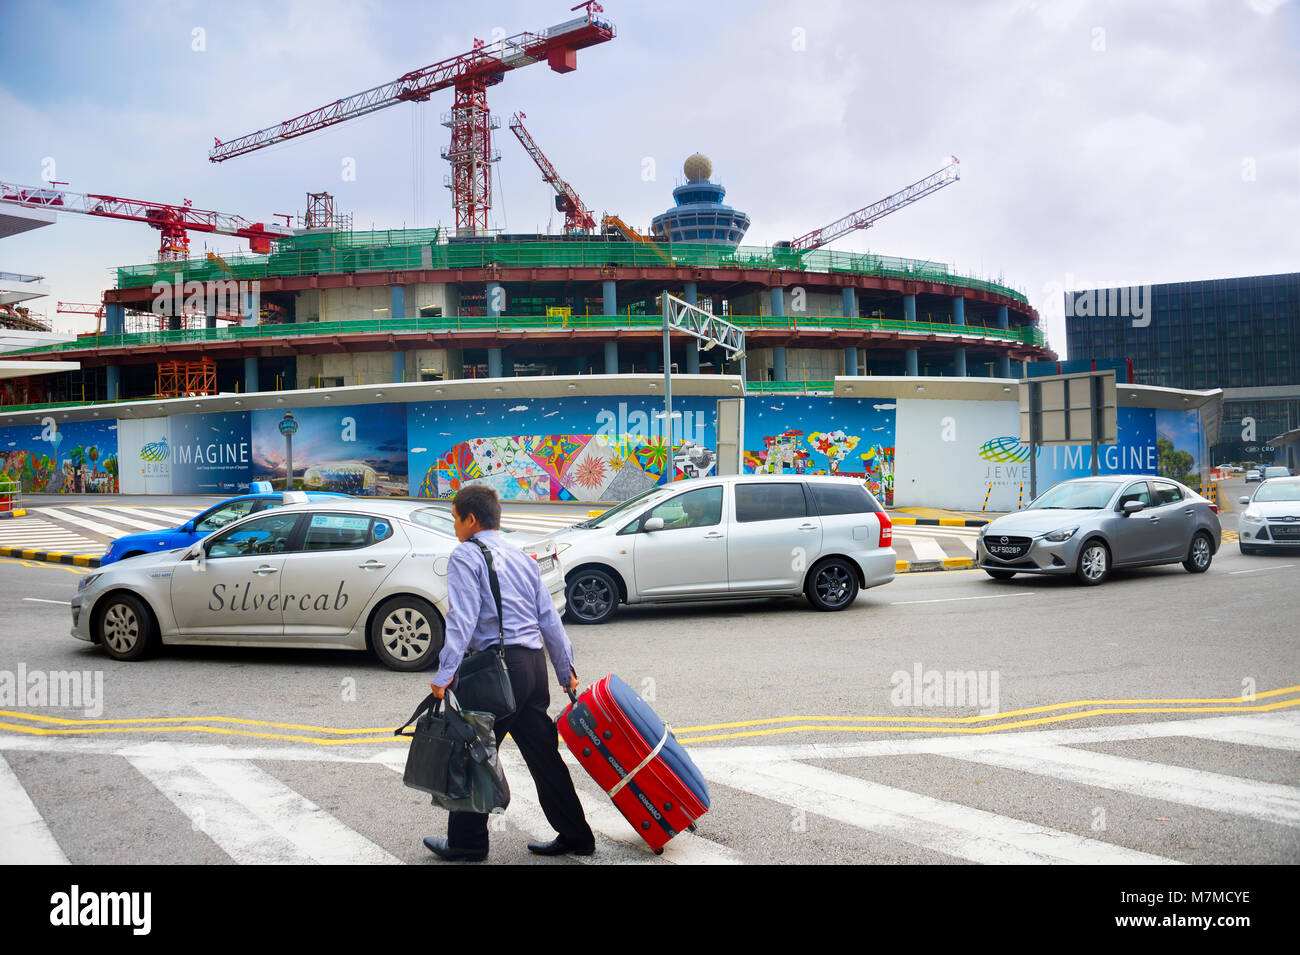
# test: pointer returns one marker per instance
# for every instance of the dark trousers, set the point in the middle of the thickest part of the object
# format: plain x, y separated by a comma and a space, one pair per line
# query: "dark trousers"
539, 742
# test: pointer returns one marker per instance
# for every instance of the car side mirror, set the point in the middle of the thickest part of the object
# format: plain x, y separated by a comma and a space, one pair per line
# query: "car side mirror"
1132, 507
653, 524
187, 527
1243, 500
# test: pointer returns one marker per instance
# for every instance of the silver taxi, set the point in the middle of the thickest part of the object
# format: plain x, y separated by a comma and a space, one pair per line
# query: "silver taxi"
727, 538
346, 574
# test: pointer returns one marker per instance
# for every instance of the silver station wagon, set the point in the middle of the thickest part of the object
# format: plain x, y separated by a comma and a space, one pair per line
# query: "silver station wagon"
1086, 527
346, 574
727, 538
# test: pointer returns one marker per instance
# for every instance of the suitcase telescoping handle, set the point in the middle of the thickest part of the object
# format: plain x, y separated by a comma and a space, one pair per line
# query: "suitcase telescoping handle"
572, 695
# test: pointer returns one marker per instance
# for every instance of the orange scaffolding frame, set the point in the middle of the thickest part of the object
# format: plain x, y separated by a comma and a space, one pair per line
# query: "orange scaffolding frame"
185, 379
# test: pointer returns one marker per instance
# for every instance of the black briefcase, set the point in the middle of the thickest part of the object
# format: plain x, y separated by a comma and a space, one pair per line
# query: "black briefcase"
453, 757
483, 681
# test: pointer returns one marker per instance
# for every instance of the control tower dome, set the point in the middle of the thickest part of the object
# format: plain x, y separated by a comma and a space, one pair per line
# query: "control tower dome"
699, 215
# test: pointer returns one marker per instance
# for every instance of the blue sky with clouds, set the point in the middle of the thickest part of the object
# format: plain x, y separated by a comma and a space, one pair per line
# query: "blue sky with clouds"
1102, 143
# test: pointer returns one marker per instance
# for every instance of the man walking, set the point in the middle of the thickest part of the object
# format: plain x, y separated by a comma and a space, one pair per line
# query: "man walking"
529, 622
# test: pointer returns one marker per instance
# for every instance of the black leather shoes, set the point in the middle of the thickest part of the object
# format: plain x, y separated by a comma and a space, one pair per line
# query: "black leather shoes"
558, 847
440, 848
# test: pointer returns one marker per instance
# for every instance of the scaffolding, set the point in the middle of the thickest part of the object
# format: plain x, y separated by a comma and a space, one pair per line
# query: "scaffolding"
187, 379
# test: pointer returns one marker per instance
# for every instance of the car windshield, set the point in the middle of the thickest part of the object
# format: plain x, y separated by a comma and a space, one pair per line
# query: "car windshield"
616, 513
1076, 495
1278, 491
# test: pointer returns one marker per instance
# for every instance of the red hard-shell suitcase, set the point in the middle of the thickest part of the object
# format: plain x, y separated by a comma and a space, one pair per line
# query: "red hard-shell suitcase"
631, 755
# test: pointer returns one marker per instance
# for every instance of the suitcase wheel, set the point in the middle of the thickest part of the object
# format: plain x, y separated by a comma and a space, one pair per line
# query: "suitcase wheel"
692, 828
659, 851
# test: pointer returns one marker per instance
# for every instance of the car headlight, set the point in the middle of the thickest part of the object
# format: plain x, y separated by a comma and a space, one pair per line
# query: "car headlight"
87, 581
1064, 534
983, 528
1250, 514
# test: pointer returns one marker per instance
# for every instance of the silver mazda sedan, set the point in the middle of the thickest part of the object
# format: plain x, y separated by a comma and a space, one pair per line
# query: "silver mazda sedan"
348, 574
1089, 526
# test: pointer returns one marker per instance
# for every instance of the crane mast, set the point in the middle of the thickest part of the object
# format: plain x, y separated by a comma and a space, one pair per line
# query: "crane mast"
470, 120
577, 217
868, 215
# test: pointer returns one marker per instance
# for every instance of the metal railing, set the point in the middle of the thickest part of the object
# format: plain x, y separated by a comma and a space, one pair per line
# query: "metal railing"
399, 250
1027, 335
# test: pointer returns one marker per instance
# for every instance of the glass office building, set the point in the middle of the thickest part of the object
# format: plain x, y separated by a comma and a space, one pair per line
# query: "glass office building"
1240, 334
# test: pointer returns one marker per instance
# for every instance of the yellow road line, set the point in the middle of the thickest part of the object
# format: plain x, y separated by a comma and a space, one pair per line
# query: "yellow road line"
236, 726
39, 564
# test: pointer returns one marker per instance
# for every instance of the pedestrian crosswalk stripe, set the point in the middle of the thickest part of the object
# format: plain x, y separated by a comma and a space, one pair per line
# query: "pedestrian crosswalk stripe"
130, 519
253, 817
98, 527
1267, 802
25, 839
975, 835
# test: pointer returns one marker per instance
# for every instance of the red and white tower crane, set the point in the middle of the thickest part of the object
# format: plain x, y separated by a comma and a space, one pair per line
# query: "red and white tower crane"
577, 217
471, 122
868, 215
173, 222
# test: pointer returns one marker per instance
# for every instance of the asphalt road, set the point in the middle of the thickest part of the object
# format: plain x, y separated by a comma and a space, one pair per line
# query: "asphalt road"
807, 726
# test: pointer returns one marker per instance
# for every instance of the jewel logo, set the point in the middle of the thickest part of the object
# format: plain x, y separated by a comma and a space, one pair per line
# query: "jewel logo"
155, 451
1004, 450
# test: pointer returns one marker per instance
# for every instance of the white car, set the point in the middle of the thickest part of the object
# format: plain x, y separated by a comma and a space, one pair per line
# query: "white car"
1253, 475
1272, 517
727, 538
342, 574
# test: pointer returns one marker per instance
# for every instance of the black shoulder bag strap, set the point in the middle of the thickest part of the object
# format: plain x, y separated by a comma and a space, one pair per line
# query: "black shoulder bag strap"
495, 585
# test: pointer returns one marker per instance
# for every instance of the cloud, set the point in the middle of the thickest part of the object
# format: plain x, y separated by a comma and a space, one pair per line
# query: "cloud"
885, 407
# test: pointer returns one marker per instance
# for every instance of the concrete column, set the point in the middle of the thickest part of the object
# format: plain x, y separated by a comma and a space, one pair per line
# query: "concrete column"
1004, 366
611, 358
397, 303
692, 293
250, 374
210, 316
114, 320
777, 296
850, 361
248, 310
909, 308
1004, 320
611, 297
494, 362
492, 300
778, 364
913, 358
113, 382
850, 296
959, 318
692, 358
399, 366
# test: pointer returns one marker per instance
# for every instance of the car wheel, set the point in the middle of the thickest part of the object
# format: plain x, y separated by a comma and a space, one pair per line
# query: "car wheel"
1094, 563
125, 628
1000, 574
1200, 555
832, 585
406, 634
591, 596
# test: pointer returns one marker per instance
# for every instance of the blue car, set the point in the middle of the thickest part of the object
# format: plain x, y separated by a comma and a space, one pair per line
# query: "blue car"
199, 527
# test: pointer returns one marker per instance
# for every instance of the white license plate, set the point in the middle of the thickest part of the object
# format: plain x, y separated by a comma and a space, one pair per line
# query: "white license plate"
545, 564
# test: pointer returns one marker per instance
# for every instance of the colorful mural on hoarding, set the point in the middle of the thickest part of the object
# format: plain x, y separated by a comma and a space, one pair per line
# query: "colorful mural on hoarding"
591, 450
76, 457
355, 449
798, 434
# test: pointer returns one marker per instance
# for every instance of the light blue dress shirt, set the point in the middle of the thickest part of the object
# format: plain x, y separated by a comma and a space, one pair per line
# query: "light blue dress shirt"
530, 617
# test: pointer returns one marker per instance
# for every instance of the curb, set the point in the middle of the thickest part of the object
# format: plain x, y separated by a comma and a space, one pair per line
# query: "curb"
926, 566
20, 512
938, 521
50, 557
